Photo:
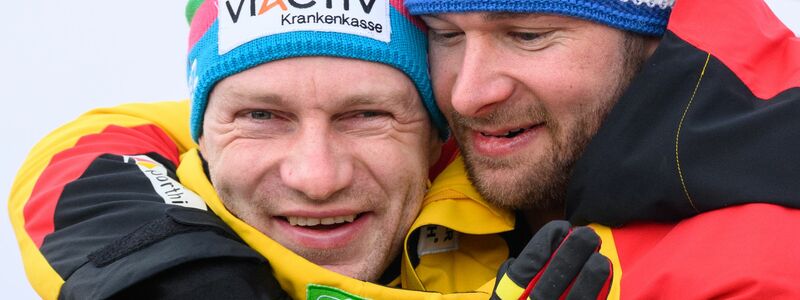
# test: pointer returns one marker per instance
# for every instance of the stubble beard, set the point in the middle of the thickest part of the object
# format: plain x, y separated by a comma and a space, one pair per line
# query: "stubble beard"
541, 185
371, 266
526, 182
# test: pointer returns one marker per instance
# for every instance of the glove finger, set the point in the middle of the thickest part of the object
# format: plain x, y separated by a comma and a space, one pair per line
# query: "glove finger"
594, 281
538, 252
566, 263
504, 288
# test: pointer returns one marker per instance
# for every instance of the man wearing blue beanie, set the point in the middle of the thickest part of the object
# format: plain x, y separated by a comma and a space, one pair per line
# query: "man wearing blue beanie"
670, 138
316, 126
600, 113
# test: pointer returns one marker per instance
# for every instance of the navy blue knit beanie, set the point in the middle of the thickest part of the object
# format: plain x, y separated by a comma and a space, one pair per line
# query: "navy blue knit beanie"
646, 17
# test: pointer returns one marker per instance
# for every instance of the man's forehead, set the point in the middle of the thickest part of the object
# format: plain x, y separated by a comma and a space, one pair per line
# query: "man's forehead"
318, 81
334, 98
496, 17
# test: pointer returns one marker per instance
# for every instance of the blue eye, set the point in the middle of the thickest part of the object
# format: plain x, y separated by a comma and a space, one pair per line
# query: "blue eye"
261, 115
441, 36
369, 114
525, 36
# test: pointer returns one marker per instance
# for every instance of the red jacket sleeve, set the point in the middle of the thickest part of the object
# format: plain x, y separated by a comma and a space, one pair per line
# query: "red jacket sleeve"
742, 252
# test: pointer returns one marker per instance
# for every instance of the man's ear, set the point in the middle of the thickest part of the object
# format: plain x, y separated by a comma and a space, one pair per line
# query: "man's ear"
435, 145
650, 45
200, 144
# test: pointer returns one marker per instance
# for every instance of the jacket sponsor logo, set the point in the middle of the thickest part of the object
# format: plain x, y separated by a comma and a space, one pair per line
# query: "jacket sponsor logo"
241, 21
436, 239
170, 190
323, 292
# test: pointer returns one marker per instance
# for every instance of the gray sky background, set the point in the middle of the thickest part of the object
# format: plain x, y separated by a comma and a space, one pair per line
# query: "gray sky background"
59, 59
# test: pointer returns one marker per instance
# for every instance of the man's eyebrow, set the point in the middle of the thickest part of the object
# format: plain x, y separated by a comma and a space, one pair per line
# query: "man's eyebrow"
395, 99
359, 100
271, 99
362, 100
244, 97
497, 16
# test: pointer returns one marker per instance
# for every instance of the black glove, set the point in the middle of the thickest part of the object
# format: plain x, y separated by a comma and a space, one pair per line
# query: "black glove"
558, 261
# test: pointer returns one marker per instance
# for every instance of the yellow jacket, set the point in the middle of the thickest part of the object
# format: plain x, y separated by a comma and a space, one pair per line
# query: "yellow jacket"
463, 272
448, 264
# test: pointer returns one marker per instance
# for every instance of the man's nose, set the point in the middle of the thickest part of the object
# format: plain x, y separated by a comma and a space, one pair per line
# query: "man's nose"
315, 165
481, 81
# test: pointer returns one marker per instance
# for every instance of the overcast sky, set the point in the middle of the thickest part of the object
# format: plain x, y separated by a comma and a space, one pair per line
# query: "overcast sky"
61, 58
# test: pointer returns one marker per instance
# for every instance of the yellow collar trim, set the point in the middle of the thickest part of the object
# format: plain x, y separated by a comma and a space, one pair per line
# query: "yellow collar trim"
294, 273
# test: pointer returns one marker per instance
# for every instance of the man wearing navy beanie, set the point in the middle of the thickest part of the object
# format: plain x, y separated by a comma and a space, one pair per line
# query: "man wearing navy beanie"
665, 125
667, 128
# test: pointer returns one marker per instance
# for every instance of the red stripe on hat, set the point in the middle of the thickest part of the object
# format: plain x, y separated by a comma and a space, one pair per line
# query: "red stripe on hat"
401, 8
69, 165
747, 37
205, 16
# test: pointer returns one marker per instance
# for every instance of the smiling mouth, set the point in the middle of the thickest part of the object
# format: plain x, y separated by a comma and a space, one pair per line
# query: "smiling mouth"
321, 223
509, 134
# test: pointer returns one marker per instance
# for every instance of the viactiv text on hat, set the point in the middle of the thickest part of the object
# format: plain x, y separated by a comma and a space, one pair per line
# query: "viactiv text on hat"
646, 17
230, 36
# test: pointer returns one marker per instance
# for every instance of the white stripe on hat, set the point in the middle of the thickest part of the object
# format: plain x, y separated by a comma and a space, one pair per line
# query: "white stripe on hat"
663, 4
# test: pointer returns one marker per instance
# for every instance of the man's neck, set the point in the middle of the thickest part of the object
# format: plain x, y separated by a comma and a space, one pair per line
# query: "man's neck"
536, 218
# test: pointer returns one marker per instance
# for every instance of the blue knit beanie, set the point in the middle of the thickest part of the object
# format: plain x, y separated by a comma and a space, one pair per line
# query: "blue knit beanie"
647, 17
235, 35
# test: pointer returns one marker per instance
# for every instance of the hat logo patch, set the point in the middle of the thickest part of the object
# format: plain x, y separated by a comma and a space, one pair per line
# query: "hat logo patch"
241, 21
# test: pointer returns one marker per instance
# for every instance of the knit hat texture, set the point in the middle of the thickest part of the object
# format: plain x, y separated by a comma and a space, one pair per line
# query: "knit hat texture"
646, 17
235, 35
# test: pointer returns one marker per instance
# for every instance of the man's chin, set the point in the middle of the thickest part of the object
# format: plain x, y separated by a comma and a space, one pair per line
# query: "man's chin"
356, 271
517, 186
500, 190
